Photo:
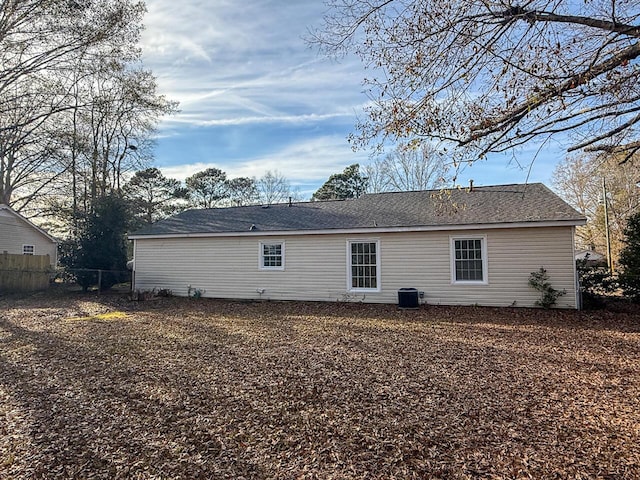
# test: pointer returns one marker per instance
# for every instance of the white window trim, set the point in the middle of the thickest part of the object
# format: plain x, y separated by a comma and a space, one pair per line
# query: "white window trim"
452, 258
29, 245
261, 255
378, 266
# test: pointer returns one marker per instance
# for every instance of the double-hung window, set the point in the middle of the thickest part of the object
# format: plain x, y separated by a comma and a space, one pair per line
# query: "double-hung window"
364, 265
469, 259
28, 250
271, 256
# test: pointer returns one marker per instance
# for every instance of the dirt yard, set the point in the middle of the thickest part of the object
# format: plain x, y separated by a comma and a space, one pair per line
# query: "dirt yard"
102, 387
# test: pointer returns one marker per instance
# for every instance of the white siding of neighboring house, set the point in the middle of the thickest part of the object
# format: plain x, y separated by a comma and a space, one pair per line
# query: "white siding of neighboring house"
316, 267
14, 233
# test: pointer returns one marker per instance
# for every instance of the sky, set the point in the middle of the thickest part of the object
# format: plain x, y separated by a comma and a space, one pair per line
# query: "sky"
255, 97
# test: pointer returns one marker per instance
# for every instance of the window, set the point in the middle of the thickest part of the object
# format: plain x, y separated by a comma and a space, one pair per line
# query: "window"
28, 250
364, 265
272, 256
469, 260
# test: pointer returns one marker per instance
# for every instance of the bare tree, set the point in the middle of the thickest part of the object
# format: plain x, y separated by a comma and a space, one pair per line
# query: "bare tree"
487, 76
117, 125
408, 169
77, 110
42, 37
579, 180
29, 157
376, 176
273, 187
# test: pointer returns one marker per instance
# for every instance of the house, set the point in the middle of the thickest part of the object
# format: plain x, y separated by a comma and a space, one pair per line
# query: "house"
591, 258
19, 236
459, 247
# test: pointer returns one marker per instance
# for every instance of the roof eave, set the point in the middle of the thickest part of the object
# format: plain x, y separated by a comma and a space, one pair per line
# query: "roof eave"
30, 223
367, 230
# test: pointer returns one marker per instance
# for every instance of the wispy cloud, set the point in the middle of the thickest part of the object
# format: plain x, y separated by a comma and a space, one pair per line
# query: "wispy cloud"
226, 60
304, 162
253, 97
256, 120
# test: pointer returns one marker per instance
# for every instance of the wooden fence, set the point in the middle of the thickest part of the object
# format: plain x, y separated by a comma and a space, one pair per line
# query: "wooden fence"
24, 273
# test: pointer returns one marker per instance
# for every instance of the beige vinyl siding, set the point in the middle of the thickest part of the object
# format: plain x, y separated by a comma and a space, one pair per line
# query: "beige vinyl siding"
316, 267
512, 255
228, 267
14, 233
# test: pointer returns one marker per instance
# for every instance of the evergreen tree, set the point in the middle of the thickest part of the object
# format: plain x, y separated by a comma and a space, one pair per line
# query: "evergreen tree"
348, 184
208, 189
101, 244
153, 196
630, 259
242, 191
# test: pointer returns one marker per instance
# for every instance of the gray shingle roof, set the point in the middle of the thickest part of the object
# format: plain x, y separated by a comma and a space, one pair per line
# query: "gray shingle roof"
430, 208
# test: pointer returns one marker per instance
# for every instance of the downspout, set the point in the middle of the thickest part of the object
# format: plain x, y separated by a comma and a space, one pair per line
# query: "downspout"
133, 268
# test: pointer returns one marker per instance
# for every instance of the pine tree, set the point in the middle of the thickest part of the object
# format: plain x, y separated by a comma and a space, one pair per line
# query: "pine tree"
153, 196
101, 244
348, 184
630, 259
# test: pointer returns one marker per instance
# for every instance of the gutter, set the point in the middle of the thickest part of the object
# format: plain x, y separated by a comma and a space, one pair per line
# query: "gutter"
373, 230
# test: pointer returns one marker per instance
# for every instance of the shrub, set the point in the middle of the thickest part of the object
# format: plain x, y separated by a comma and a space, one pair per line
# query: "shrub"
596, 282
540, 281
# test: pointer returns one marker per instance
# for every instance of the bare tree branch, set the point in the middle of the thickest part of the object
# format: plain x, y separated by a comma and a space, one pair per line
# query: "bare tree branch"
490, 75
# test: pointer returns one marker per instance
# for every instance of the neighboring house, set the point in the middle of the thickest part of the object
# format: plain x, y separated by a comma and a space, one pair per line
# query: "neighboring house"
592, 258
463, 247
19, 236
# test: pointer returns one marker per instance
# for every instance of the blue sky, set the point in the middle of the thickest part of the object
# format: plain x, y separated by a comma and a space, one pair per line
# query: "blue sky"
254, 97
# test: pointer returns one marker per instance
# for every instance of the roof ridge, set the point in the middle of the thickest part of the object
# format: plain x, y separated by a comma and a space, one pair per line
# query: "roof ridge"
456, 187
509, 203
398, 192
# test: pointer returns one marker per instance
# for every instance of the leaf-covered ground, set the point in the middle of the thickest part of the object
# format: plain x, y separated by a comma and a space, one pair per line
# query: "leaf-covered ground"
101, 387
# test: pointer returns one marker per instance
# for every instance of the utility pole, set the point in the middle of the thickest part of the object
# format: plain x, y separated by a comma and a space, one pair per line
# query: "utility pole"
606, 225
